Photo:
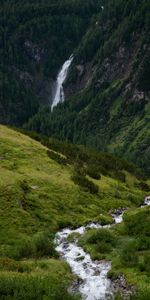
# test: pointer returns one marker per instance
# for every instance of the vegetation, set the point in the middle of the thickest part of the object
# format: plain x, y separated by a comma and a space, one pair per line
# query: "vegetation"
111, 113
32, 51
128, 247
109, 106
38, 197
85, 183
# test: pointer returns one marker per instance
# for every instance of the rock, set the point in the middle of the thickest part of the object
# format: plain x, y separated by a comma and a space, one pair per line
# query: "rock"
75, 286
97, 273
34, 51
121, 286
138, 96
80, 69
34, 187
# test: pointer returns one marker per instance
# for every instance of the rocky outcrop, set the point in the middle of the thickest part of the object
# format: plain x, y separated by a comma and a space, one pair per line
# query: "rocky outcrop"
79, 78
43, 88
34, 51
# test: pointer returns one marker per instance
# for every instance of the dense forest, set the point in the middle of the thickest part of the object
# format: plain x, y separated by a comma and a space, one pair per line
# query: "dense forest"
36, 38
107, 107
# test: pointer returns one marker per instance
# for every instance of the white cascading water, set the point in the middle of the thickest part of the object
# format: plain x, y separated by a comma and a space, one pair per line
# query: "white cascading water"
62, 75
95, 284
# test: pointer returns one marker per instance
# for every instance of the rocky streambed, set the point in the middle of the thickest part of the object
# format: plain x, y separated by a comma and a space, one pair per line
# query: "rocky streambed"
94, 283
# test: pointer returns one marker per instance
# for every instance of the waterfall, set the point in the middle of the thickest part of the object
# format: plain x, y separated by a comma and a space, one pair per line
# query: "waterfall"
62, 75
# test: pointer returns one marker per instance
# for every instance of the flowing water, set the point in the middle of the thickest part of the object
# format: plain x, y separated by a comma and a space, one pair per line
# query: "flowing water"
62, 75
94, 283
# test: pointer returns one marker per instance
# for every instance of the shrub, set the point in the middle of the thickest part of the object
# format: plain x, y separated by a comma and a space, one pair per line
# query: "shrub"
43, 245
39, 246
141, 295
26, 249
29, 287
101, 235
57, 157
120, 175
143, 242
85, 183
103, 247
144, 186
24, 186
133, 223
147, 263
128, 256
93, 172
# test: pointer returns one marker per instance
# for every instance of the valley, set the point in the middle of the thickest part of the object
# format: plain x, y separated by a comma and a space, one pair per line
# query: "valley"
75, 150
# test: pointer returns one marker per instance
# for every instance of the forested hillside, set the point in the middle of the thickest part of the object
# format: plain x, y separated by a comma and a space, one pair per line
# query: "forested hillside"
36, 38
107, 104
107, 90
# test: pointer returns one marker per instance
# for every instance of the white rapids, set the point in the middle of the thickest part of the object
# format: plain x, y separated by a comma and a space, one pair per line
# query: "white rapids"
94, 284
147, 200
62, 75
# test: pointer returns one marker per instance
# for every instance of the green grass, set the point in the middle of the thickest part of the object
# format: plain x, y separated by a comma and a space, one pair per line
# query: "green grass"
42, 279
127, 245
37, 198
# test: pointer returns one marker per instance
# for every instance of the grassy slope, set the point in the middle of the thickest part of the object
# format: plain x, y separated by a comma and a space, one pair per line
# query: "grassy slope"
37, 196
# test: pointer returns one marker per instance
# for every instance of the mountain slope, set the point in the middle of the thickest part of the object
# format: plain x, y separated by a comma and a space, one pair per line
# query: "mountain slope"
39, 196
36, 38
108, 101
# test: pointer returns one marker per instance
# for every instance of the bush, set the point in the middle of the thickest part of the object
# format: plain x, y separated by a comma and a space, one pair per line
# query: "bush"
141, 295
43, 245
120, 176
101, 235
128, 256
143, 242
25, 186
103, 247
144, 186
133, 223
39, 246
26, 249
147, 263
57, 157
29, 287
85, 183
7, 264
93, 172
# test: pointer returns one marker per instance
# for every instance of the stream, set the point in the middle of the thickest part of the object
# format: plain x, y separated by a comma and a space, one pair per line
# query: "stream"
94, 284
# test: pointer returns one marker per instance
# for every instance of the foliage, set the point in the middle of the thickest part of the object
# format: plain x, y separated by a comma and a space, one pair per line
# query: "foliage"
31, 47
58, 158
15, 286
85, 183
93, 172
127, 247
38, 198
111, 112
128, 255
